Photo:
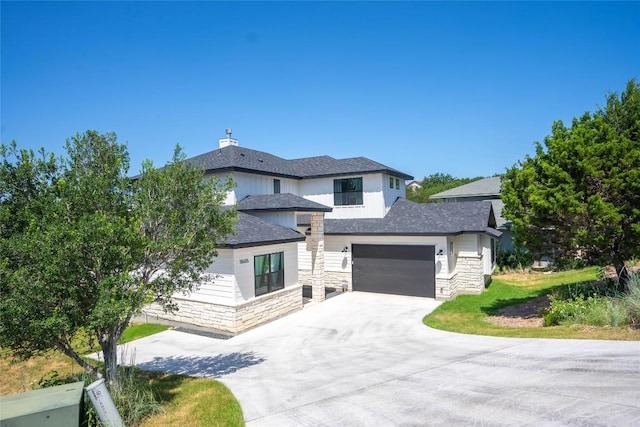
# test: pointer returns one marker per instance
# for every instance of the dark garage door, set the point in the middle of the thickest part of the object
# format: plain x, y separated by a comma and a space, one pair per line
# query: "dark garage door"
394, 269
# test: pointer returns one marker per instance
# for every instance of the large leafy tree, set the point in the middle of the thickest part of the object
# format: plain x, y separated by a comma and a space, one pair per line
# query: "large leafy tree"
436, 183
84, 247
581, 190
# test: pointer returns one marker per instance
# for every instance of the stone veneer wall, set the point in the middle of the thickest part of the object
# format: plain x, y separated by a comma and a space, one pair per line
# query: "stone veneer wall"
332, 279
233, 319
446, 288
471, 278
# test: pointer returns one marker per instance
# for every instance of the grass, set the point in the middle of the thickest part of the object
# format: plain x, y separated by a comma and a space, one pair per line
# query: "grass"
468, 313
18, 376
191, 401
186, 401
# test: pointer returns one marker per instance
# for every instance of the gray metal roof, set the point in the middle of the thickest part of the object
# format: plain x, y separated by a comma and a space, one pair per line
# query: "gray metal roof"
234, 158
480, 188
418, 219
253, 231
280, 202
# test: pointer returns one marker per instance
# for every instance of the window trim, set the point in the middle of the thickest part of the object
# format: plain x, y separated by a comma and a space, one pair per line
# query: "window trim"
269, 274
348, 197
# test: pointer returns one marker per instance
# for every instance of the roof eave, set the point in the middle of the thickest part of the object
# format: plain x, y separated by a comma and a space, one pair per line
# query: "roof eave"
262, 243
287, 210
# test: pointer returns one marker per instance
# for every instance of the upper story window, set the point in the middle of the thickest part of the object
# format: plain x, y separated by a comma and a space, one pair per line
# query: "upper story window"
269, 272
347, 192
390, 182
397, 184
276, 186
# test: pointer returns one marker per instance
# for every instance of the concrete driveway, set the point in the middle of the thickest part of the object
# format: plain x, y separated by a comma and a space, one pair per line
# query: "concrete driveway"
364, 359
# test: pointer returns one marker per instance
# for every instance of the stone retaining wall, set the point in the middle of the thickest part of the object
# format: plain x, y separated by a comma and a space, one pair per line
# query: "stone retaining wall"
233, 319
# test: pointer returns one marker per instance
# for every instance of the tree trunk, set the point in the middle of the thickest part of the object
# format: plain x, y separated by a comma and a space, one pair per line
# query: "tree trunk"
110, 353
623, 276
75, 356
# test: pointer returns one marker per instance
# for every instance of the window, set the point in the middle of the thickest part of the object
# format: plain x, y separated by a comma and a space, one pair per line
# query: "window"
390, 182
450, 248
397, 184
347, 191
269, 272
276, 186
494, 249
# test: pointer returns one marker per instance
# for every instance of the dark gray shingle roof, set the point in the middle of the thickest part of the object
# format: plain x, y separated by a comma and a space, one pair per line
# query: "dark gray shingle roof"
253, 231
480, 188
409, 218
280, 202
234, 158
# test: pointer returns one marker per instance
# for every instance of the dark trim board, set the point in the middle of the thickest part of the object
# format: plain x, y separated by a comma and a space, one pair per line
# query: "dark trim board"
394, 269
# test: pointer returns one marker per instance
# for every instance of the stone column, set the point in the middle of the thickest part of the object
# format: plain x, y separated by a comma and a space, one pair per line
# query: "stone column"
317, 256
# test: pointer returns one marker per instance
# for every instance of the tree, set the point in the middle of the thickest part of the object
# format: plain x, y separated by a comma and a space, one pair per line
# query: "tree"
436, 183
84, 248
581, 190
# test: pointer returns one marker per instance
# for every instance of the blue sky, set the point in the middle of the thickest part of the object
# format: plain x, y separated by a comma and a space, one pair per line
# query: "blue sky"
424, 87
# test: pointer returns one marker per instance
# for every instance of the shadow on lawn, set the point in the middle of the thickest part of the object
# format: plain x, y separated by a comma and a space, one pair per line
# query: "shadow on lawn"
209, 366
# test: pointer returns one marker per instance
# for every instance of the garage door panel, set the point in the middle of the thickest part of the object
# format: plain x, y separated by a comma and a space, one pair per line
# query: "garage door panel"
395, 269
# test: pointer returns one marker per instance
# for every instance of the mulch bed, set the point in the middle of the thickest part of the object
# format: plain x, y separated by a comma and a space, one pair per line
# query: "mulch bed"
526, 315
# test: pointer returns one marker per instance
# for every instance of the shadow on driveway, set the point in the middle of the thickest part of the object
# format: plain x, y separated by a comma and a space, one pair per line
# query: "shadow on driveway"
197, 366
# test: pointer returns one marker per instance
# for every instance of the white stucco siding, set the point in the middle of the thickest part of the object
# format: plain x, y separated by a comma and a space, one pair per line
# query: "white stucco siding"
285, 219
252, 184
218, 284
487, 264
320, 190
244, 271
467, 245
391, 194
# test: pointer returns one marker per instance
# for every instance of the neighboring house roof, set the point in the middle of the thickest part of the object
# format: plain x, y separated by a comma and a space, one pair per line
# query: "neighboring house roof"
419, 219
480, 188
234, 158
253, 231
280, 202
501, 222
487, 187
414, 184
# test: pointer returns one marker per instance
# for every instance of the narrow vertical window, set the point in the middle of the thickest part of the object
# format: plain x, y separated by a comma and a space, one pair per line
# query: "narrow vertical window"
390, 182
397, 184
276, 186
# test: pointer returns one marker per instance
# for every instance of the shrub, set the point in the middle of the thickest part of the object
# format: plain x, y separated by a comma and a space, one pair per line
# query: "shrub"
631, 299
517, 259
595, 304
134, 398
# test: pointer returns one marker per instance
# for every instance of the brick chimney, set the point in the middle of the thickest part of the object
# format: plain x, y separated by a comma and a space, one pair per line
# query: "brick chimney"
225, 142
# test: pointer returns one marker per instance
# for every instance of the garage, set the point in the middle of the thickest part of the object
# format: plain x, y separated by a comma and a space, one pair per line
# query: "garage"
394, 269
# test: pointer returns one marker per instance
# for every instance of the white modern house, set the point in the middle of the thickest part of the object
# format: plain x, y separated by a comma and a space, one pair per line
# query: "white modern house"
321, 223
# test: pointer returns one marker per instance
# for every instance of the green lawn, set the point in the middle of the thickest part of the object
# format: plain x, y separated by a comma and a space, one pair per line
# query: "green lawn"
468, 313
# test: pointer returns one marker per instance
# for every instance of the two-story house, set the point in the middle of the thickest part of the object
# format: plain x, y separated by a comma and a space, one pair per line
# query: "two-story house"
322, 222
